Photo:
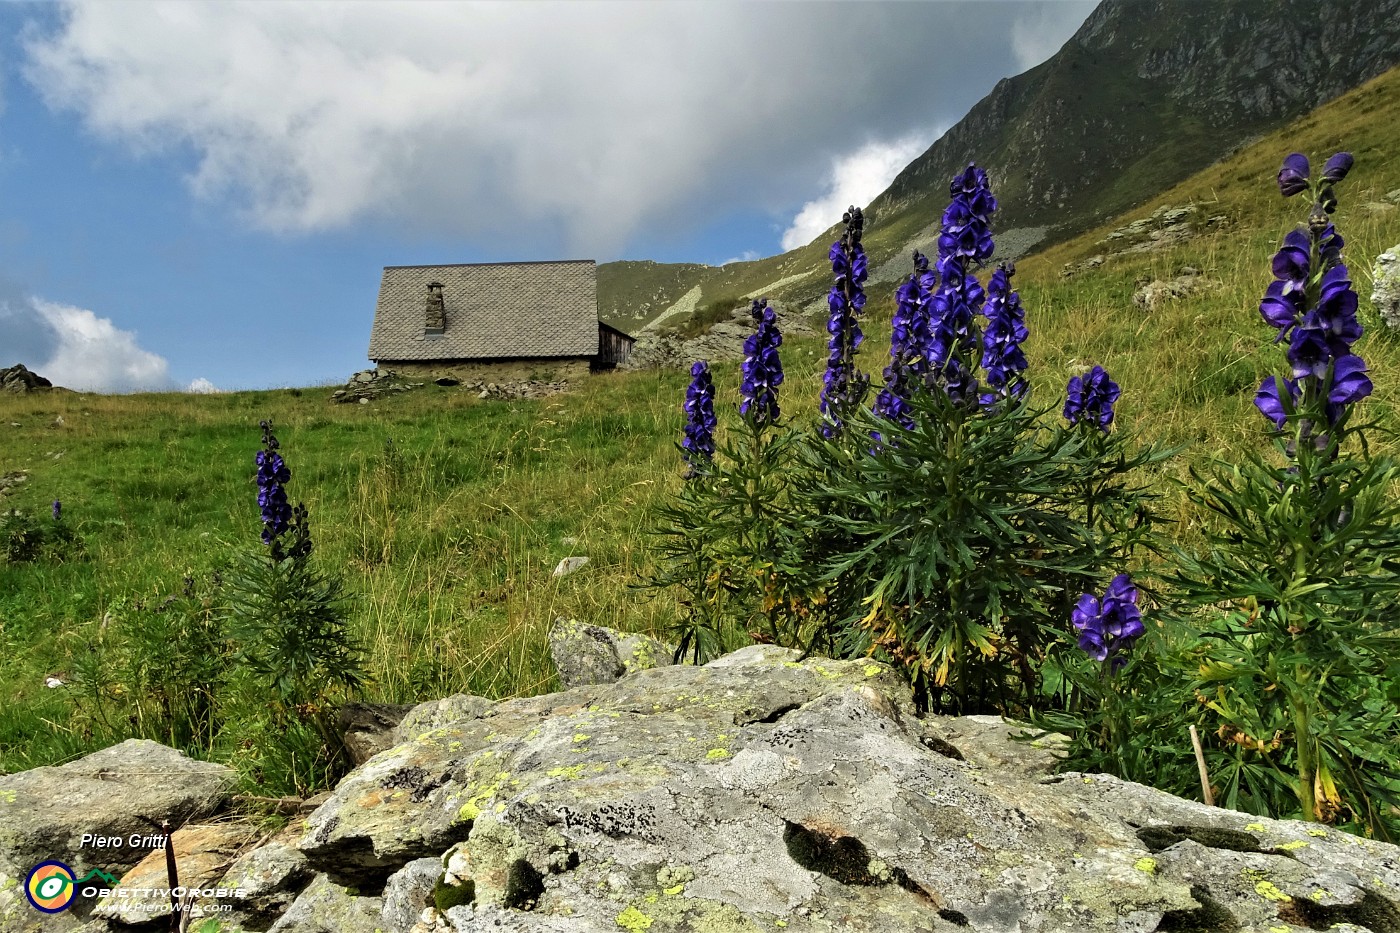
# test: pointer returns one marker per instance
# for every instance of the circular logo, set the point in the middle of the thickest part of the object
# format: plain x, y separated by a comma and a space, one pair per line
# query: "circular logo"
50, 887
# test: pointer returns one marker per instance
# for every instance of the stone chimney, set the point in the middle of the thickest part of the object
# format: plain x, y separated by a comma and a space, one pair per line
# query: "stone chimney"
435, 320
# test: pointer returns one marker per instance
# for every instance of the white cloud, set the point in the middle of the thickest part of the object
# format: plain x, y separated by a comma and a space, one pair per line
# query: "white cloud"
855, 180
202, 386
1039, 33
94, 355
747, 255
566, 126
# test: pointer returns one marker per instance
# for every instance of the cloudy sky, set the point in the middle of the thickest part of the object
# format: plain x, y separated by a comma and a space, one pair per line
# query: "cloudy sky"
202, 195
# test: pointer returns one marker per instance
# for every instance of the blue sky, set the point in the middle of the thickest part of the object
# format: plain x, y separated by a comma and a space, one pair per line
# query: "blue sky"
202, 195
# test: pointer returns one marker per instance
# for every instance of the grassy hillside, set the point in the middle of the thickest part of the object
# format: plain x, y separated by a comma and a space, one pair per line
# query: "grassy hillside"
447, 514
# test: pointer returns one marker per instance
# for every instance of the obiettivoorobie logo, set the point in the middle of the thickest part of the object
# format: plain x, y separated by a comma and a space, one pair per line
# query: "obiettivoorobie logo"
51, 886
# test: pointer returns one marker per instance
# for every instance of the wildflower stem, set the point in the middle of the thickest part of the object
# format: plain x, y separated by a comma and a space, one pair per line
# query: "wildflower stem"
1206, 794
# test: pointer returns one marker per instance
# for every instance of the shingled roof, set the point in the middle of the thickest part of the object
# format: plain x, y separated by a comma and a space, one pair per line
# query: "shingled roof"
496, 310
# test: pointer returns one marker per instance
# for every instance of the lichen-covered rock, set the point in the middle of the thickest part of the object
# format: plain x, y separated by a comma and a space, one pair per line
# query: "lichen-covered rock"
326, 907
761, 792
369, 728
409, 891
591, 654
583, 654
434, 714
270, 877
202, 854
1385, 289
45, 812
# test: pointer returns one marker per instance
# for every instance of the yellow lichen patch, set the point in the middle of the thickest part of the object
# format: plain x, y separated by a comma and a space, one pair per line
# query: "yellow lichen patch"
1145, 864
581, 737
1291, 846
483, 792
633, 919
717, 753
1270, 891
572, 772
673, 891
871, 670
8, 796
1255, 827
1321, 833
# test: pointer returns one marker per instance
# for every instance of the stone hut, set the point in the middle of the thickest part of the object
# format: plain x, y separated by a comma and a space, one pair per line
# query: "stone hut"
498, 321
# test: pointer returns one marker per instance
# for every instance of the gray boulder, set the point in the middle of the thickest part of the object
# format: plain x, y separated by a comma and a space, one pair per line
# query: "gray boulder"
591, 654
762, 792
45, 813
1385, 290
326, 907
409, 892
369, 728
270, 878
434, 714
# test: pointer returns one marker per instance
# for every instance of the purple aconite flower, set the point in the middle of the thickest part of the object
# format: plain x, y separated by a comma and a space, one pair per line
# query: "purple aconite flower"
1002, 357
1270, 401
1108, 627
1313, 306
842, 385
57, 509
1293, 177
1349, 382
762, 370
965, 242
698, 445
908, 341
272, 477
1337, 168
1090, 399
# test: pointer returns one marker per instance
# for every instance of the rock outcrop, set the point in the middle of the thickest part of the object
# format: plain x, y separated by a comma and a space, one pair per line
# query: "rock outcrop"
18, 379
98, 812
591, 654
658, 348
762, 792
1385, 289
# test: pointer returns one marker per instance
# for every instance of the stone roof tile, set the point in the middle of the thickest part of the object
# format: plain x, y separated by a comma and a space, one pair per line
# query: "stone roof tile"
494, 310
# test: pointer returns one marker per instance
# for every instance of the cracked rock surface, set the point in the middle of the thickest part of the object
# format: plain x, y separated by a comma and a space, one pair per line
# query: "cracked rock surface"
757, 793
762, 793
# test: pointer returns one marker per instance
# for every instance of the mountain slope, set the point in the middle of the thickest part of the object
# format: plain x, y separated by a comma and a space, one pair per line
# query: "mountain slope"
1145, 93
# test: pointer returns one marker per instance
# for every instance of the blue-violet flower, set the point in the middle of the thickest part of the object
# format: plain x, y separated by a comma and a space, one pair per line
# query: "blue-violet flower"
762, 370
